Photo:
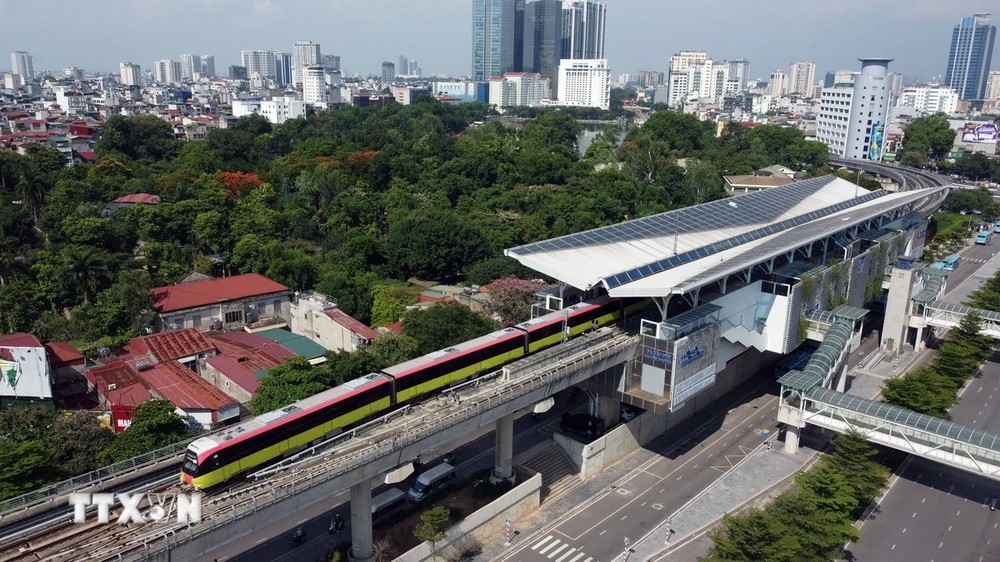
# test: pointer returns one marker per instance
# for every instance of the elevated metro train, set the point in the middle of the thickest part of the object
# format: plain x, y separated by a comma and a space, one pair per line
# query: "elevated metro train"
232, 452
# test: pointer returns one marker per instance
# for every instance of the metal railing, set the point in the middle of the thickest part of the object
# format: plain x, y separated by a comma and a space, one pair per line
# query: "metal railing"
111, 472
381, 445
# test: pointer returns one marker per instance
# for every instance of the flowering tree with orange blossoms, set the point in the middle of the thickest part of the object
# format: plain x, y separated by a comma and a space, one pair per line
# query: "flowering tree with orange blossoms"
237, 183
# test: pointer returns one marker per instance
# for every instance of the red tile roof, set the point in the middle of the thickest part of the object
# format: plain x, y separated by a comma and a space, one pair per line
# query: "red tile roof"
184, 388
64, 353
349, 322
19, 339
204, 293
239, 373
92, 157
136, 198
175, 344
129, 389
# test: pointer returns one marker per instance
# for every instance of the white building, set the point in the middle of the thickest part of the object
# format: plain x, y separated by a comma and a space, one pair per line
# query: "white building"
131, 74
869, 109
314, 88
464, 91
993, 86
585, 82
317, 317
190, 64
259, 62
778, 84
74, 73
834, 115
304, 55
707, 80
519, 89
24, 366
929, 98
684, 60
244, 107
801, 76
679, 86
21, 63
279, 110
11, 81
166, 71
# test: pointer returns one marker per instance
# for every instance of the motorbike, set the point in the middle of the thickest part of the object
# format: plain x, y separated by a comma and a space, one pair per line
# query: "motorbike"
337, 525
298, 537
449, 458
534, 416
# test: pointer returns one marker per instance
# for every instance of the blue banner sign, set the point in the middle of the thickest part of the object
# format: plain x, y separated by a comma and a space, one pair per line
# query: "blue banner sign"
875, 147
691, 355
658, 356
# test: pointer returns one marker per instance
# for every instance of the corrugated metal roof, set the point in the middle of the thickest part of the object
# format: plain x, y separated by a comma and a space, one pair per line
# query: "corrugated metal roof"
300, 345
193, 295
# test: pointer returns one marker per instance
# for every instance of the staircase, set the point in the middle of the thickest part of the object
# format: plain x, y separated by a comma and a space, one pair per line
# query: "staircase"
559, 475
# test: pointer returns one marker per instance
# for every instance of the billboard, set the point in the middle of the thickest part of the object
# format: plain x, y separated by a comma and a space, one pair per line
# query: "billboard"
979, 132
875, 147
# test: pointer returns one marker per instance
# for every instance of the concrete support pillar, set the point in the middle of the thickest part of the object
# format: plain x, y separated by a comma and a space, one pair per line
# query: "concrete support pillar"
918, 344
606, 408
842, 378
792, 439
361, 522
504, 460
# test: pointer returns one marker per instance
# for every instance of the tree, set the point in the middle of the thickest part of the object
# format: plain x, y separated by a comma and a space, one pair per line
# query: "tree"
852, 455
434, 244
85, 269
386, 308
434, 521
26, 466
510, 299
77, 439
392, 349
154, 425
931, 135
289, 382
819, 534
832, 489
752, 536
19, 305
444, 325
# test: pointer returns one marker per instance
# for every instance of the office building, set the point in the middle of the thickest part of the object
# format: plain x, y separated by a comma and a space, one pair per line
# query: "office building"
833, 117
261, 63
408, 95
777, 86
585, 83
543, 37
237, 72
22, 64
707, 80
208, 66
283, 69
495, 28
305, 54
683, 60
279, 110
190, 64
314, 90
993, 85
970, 56
414, 69
388, 72
331, 63
74, 73
404, 65
929, 98
869, 109
895, 85
739, 71
583, 28
466, 91
801, 77
650, 78
131, 74
166, 72
11, 81
515, 89
839, 77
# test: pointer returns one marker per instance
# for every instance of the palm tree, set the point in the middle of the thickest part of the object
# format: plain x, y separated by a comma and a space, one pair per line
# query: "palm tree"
32, 192
85, 270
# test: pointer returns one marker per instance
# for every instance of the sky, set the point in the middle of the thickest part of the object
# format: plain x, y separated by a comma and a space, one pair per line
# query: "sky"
641, 34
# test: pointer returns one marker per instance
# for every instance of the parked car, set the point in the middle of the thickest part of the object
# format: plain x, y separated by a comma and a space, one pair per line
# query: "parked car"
583, 425
629, 412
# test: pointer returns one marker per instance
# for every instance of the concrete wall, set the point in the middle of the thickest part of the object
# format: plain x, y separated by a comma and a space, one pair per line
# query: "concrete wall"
201, 318
486, 523
225, 384
320, 328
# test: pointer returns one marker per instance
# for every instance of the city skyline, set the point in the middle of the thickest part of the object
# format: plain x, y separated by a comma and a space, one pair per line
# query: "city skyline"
412, 28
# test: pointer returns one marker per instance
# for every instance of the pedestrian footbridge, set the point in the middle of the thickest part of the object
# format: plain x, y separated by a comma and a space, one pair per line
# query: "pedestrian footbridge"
942, 314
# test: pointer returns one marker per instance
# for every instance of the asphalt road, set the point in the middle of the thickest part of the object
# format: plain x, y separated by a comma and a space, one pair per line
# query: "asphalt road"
273, 543
595, 531
933, 512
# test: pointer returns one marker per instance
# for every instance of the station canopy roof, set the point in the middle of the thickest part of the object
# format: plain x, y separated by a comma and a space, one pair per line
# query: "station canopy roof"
678, 251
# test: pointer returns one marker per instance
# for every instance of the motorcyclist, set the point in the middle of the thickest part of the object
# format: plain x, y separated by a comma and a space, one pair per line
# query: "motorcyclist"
298, 533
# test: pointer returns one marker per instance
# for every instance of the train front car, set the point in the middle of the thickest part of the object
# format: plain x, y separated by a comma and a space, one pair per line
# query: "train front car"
196, 456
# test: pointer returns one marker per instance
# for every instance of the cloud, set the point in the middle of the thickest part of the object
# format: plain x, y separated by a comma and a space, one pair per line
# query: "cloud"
264, 7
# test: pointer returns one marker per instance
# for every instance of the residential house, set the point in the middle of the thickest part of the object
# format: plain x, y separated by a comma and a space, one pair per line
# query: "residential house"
24, 372
317, 317
144, 199
229, 303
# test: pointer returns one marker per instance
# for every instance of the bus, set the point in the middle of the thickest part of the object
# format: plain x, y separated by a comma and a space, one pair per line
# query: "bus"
996, 227
796, 360
983, 238
951, 262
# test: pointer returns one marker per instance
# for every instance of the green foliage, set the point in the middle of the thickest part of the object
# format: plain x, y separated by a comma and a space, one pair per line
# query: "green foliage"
431, 529
444, 325
26, 466
968, 200
924, 137
436, 245
389, 302
289, 382
852, 455
154, 426
754, 535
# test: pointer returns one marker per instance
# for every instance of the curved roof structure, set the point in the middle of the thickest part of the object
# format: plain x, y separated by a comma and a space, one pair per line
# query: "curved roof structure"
677, 251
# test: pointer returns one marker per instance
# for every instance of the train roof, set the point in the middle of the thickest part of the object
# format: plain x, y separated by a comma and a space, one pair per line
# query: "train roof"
560, 314
452, 351
264, 420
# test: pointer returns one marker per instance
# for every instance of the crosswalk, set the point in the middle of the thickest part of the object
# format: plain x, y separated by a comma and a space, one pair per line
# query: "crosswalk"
550, 548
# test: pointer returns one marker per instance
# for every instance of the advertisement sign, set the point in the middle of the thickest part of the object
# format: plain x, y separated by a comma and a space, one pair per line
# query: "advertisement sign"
121, 416
875, 147
979, 132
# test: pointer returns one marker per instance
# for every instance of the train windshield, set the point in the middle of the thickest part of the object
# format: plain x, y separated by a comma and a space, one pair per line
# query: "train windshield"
191, 462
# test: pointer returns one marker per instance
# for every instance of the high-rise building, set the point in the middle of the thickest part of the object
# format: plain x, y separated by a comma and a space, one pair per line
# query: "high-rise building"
404, 65
331, 63
895, 86
314, 85
867, 105
259, 62
515, 89
388, 72
74, 73
970, 57
739, 71
166, 72
583, 24
494, 29
23, 65
585, 83
189, 65
834, 114
131, 74
543, 38
777, 86
305, 54
208, 66
237, 72
993, 86
929, 98
686, 59
650, 78
283, 69
708, 79
414, 68
801, 76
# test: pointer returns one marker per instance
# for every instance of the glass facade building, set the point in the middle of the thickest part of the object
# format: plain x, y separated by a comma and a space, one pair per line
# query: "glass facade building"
494, 27
970, 57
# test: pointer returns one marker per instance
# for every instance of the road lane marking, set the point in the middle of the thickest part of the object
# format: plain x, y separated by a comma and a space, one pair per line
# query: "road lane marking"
567, 555
643, 504
940, 545
904, 530
556, 551
914, 515
541, 542
602, 532
624, 517
893, 547
577, 557
262, 540
949, 528
546, 549
957, 514
589, 559
923, 500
